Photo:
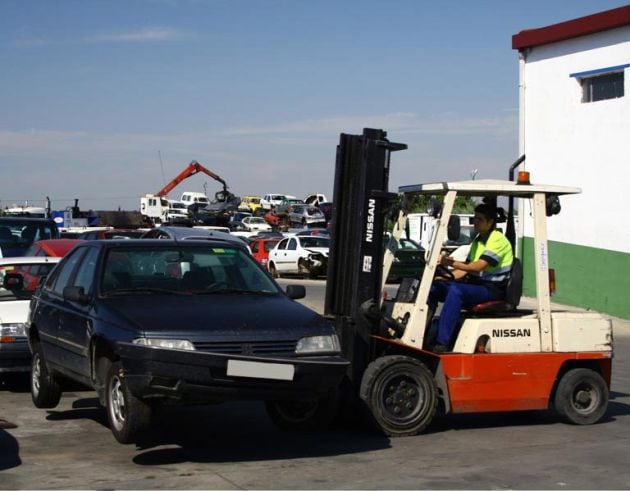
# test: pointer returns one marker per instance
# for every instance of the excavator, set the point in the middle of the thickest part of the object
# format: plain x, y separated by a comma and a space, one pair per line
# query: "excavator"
155, 207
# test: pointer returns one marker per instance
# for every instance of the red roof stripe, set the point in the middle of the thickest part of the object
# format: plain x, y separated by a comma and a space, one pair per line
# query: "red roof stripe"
603, 21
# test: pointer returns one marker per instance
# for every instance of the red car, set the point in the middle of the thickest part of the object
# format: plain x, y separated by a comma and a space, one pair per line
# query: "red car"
52, 247
260, 248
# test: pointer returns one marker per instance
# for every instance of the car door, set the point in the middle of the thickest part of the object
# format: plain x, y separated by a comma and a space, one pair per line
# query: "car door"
75, 322
279, 255
292, 255
49, 308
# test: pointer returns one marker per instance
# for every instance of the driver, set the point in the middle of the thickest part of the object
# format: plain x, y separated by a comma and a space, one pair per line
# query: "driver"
481, 278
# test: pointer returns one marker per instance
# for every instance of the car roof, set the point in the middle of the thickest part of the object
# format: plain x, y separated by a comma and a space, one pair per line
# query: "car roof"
140, 243
58, 247
4, 261
23, 219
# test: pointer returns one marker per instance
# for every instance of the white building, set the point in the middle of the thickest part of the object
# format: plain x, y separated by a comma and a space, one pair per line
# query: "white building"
575, 131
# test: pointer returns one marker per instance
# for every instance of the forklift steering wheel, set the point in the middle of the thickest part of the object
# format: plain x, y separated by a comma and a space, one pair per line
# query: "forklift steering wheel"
444, 272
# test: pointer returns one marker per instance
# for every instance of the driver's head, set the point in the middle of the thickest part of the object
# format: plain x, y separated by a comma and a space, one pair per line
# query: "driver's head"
485, 218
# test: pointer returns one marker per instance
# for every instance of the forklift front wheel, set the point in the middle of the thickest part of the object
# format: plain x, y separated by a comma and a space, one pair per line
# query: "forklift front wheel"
581, 397
401, 394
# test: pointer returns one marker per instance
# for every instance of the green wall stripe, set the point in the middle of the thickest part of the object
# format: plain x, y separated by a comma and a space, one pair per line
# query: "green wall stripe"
586, 277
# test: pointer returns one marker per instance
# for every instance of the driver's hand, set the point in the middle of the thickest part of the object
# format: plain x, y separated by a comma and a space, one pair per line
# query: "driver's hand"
446, 261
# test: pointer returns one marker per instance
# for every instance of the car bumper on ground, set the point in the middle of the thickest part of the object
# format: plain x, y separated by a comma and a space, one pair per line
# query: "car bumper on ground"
194, 376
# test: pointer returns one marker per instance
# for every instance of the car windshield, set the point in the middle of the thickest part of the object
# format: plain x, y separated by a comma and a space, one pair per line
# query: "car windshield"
315, 241
183, 270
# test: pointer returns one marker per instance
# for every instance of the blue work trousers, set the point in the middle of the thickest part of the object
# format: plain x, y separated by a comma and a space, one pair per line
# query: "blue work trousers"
455, 295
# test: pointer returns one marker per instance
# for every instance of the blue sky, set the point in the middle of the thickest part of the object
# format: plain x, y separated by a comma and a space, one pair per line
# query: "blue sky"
93, 93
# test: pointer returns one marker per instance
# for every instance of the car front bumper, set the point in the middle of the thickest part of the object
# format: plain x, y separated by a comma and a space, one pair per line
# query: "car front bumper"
202, 377
15, 356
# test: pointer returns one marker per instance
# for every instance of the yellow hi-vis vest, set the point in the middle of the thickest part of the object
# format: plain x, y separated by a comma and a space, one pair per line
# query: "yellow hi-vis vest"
497, 252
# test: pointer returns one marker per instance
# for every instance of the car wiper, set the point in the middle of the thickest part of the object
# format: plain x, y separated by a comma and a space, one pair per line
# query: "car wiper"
144, 290
238, 291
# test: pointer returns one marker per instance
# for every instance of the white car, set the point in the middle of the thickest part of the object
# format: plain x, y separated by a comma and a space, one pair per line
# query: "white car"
19, 276
255, 224
272, 200
300, 255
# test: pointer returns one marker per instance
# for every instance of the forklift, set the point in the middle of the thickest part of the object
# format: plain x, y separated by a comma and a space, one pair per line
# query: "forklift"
503, 357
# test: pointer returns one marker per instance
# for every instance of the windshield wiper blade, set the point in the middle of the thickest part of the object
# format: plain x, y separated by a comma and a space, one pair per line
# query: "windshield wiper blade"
144, 289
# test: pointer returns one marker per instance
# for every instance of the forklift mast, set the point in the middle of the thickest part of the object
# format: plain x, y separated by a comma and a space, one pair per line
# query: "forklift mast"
362, 202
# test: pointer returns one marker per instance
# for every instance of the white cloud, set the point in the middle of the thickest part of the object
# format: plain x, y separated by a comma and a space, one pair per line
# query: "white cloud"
143, 35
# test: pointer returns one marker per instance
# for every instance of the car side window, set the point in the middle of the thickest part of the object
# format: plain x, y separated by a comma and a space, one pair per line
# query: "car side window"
283, 244
292, 245
86, 272
255, 247
64, 273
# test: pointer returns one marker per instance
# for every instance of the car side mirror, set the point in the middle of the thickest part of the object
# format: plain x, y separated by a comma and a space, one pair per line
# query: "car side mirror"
13, 282
453, 229
296, 292
75, 294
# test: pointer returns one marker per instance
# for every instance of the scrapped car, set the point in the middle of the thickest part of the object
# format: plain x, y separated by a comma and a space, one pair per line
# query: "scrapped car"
287, 204
260, 248
255, 224
18, 233
250, 204
52, 247
271, 200
146, 322
19, 277
300, 255
306, 215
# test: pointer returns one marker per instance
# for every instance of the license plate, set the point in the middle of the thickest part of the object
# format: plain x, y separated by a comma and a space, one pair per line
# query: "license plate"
256, 369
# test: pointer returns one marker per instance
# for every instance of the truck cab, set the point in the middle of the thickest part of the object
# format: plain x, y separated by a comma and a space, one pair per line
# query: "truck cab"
193, 198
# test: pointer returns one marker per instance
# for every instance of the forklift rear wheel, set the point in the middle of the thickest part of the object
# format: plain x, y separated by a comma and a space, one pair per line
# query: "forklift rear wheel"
303, 416
581, 397
401, 394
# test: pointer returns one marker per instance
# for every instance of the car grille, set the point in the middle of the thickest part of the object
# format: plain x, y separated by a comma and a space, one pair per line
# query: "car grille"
257, 348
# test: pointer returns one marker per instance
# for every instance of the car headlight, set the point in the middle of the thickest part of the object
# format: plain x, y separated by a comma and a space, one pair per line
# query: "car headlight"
183, 344
8, 332
318, 344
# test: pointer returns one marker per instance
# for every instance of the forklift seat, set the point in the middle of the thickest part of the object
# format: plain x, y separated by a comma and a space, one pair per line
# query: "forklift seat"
513, 292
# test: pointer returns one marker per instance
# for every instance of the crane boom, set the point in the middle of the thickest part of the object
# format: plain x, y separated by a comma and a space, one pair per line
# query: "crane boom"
193, 168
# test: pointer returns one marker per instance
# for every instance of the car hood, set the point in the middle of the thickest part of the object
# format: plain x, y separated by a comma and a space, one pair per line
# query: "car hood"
321, 250
217, 316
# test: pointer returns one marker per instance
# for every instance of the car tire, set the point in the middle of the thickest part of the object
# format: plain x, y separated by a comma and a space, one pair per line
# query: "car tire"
273, 271
304, 416
401, 395
128, 415
581, 397
45, 389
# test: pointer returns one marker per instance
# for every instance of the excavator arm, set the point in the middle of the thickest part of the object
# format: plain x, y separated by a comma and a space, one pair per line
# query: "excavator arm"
193, 168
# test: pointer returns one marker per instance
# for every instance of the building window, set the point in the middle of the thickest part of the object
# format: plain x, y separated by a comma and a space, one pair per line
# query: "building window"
601, 84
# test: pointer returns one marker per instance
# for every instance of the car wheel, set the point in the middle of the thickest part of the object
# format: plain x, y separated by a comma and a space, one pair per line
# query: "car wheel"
581, 397
128, 416
273, 271
45, 389
304, 416
401, 394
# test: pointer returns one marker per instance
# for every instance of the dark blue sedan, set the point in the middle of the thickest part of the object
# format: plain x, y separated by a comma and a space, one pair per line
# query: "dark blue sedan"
146, 322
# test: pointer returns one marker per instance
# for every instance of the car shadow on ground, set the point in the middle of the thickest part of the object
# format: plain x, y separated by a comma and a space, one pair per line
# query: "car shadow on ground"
228, 432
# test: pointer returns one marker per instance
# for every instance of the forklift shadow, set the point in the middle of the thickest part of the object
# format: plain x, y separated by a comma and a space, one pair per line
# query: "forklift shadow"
241, 431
